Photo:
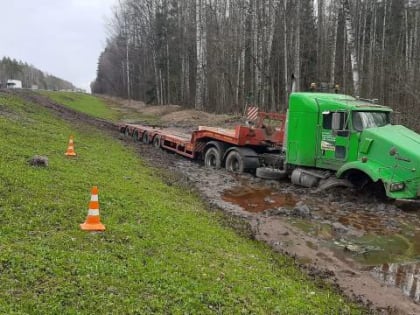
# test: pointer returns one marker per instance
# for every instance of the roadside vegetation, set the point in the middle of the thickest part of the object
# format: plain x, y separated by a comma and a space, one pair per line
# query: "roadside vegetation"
101, 107
84, 103
162, 251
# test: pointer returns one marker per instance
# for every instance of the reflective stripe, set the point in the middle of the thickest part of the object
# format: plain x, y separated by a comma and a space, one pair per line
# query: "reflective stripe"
93, 212
94, 198
252, 113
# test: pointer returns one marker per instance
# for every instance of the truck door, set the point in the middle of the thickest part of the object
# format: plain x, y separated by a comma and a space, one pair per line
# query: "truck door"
334, 140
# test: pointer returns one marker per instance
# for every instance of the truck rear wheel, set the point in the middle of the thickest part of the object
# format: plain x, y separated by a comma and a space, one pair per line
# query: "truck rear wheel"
235, 162
212, 158
127, 132
156, 142
136, 136
145, 137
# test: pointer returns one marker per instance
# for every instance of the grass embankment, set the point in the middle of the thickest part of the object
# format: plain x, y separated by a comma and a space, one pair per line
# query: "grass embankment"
84, 103
103, 108
161, 253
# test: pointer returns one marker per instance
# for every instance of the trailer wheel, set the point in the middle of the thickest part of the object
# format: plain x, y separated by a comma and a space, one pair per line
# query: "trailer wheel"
145, 138
212, 158
270, 173
235, 162
136, 136
156, 142
127, 132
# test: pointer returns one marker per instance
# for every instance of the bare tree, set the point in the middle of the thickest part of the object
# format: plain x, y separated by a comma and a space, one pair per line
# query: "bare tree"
218, 55
352, 47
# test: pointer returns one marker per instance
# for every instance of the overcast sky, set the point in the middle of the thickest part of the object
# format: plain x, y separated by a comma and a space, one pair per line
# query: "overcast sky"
61, 37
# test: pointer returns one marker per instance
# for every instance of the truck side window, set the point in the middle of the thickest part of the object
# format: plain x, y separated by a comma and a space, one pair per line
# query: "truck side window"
327, 121
339, 124
339, 121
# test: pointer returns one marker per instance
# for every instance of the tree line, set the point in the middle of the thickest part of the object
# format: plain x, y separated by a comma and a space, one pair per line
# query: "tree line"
30, 76
219, 55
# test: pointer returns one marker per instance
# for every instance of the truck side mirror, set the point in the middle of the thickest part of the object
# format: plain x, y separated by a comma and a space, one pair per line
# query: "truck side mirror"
392, 151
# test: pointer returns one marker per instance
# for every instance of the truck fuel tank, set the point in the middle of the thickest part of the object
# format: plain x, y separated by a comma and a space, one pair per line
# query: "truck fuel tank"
301, 178
308, 177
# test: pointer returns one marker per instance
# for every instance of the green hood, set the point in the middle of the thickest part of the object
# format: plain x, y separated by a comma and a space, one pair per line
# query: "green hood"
405, 164
404, 140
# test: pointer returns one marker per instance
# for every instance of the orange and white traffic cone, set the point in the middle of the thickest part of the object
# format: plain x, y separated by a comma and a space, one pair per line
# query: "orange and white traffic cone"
70, 148
93, 222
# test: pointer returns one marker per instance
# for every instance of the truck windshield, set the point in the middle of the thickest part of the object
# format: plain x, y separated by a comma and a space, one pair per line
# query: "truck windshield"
364, 120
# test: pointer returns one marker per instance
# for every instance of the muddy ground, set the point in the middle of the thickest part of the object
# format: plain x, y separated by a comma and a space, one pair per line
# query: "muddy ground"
320, 230
366, 246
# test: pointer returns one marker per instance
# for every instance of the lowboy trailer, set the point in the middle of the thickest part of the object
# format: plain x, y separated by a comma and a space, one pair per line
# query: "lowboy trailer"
246, 147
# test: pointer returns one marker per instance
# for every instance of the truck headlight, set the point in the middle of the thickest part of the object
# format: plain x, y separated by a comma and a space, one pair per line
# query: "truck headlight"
397, 186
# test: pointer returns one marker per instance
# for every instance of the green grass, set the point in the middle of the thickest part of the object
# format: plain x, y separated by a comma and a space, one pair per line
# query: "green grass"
101, 107
84, 103
161, 252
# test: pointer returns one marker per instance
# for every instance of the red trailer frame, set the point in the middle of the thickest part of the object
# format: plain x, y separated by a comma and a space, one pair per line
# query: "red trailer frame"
262, 134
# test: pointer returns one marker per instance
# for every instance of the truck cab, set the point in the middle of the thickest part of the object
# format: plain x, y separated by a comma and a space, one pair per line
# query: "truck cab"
355, 139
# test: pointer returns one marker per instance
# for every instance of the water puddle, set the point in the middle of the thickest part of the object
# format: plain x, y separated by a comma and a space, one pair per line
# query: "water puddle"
367, 222
253, 199
405, 277
380, 235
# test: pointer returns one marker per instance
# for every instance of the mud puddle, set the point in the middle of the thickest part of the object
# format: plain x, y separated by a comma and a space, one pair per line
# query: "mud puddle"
405, 277
378, 236
257, 199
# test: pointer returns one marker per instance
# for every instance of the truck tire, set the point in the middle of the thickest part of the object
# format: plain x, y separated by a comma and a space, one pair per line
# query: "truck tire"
270, 173
212, 158
136, 136
127, 132
235, 162
156, 142
145, 138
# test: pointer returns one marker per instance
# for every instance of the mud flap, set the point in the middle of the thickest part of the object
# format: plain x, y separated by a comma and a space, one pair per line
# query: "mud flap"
250, 158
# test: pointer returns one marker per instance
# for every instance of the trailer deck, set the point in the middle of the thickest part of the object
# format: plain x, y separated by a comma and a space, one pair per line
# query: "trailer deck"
191, 145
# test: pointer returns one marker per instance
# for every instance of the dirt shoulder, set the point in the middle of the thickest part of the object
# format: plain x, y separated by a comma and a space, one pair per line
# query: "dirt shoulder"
316, 229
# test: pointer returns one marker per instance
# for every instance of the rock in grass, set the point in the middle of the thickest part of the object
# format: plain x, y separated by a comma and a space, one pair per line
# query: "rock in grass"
38, 160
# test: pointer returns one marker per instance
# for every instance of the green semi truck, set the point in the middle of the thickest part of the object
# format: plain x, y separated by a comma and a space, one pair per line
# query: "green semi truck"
325, 140
353, 139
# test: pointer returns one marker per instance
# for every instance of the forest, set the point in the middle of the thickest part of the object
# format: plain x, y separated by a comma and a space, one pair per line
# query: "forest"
220, 55
30, 76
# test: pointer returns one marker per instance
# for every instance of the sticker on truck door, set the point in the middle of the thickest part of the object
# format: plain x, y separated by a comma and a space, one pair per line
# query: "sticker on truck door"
327, 141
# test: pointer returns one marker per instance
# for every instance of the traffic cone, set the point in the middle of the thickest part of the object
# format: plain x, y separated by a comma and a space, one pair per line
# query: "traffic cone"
70, 148
93, 222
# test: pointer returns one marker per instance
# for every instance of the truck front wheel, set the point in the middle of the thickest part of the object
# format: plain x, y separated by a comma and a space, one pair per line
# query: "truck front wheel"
212, 158
235, 162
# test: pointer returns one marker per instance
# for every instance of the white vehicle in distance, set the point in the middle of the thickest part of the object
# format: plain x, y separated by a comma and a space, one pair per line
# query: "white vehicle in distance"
14, 84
